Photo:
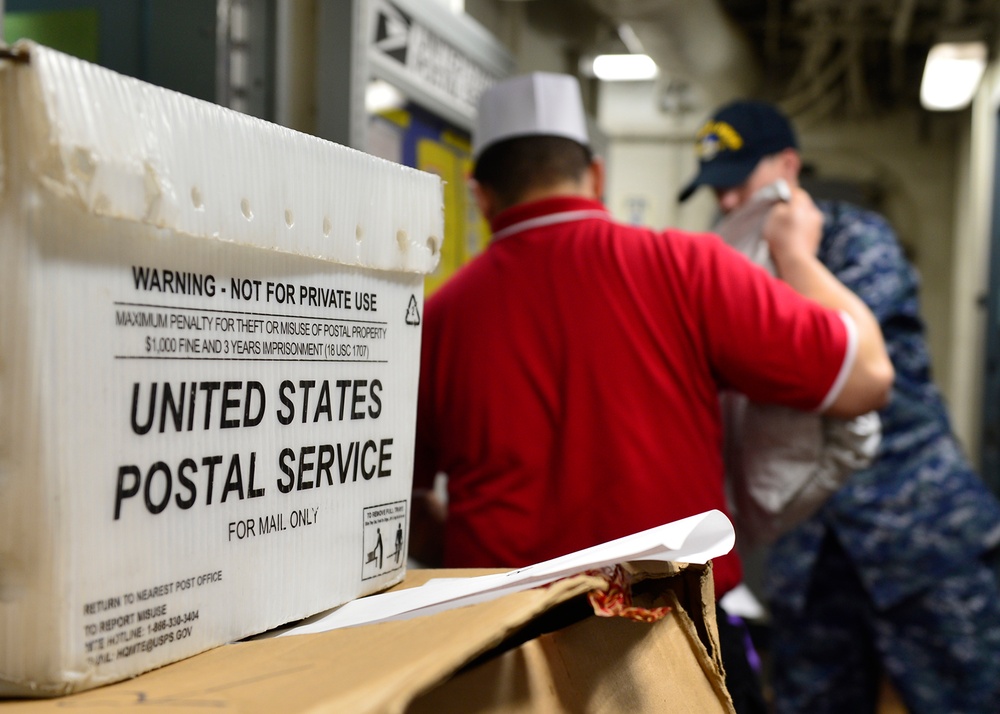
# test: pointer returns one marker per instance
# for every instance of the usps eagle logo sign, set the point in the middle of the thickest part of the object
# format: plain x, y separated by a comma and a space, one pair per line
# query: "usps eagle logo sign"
392, 31
715, 137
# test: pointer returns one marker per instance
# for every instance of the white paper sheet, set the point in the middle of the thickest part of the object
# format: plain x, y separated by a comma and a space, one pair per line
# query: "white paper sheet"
691, 540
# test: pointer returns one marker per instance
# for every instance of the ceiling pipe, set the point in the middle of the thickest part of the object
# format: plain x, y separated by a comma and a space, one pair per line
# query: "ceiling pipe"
857, 89
822, 84
899, 36
832, 65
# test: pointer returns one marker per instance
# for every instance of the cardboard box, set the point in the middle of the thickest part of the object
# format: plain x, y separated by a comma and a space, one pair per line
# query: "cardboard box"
209, 349
539, 650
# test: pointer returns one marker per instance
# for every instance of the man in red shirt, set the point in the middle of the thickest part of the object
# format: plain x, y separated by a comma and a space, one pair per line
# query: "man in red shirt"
569, 373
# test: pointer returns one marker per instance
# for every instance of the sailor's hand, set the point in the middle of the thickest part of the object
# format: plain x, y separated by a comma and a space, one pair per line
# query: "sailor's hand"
793, 229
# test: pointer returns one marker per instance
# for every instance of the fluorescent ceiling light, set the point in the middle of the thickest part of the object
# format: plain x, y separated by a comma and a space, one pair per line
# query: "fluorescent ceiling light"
619, 68
952, 74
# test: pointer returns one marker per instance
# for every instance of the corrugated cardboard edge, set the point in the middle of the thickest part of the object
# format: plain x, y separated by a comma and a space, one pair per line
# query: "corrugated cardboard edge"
597, 665
376, 669
692, 593
691, 583
33, 563
604, 665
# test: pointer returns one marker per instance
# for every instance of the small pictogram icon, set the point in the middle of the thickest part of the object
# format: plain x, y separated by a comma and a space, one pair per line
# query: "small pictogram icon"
412, 312
391, 518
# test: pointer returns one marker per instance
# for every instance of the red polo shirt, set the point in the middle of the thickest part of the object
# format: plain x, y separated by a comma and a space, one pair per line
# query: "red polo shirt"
569, 380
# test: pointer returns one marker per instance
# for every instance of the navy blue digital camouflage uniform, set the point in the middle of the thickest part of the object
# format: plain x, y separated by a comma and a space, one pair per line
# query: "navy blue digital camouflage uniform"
892, 574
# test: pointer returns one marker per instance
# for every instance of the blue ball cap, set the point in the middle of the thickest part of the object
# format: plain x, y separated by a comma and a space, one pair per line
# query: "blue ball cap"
734, 140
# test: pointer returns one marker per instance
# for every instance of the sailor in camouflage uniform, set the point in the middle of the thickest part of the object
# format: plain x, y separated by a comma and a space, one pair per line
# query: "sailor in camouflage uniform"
896, 574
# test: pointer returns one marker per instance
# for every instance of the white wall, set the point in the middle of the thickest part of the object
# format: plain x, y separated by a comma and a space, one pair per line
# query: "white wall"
975, 167
650, 157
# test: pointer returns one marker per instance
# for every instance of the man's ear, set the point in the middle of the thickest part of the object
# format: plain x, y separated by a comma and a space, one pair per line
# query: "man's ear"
791, 165
596, 176
486, 199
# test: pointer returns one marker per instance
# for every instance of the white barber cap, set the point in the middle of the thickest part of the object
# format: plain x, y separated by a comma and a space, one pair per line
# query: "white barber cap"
536, 104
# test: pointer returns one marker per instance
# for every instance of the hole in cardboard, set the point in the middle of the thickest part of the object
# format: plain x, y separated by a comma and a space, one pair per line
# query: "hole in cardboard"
196, 198
327, 226
245, 207
359, 233
432, 243
289, 218
402, 239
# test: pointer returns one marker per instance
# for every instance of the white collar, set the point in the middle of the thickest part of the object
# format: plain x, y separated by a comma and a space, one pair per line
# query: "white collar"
549, 220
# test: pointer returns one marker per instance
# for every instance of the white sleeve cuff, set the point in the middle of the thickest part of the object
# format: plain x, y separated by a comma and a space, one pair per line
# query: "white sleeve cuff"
850, 354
